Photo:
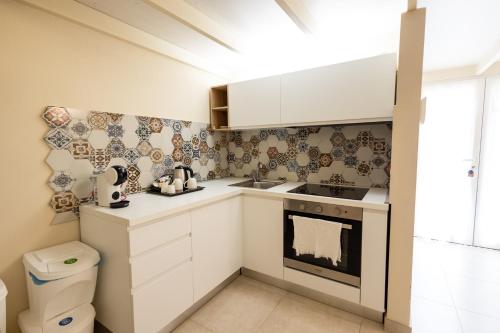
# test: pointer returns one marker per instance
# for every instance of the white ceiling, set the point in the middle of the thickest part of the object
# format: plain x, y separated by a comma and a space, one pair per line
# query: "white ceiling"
458, 32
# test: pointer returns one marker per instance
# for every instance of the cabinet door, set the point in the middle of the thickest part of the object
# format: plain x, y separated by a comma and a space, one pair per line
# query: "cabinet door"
263, 235
254, 102
161, 301
357, 90
217, 244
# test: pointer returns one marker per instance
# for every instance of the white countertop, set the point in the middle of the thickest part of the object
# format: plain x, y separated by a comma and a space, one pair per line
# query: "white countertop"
145, 207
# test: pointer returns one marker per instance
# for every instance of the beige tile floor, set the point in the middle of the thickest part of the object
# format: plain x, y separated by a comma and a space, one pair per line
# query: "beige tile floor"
247, 305
455, 289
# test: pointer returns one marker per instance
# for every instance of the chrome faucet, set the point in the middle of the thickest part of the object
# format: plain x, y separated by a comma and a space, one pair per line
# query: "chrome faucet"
256, 174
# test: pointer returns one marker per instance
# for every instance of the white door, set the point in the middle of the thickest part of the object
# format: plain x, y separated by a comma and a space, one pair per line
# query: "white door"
448, 159
487, 231
254, 102
263, 235
217, 244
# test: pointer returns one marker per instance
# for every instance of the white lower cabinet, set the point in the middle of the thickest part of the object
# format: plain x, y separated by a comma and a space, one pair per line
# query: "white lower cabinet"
153, 263
263, 235
159, 302
152, 273
217, 249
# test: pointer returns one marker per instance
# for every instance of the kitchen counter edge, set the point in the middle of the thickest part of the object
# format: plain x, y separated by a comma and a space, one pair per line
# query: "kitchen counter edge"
142, 209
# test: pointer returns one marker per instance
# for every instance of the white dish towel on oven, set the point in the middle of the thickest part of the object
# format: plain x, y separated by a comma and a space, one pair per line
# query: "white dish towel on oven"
328, 240
317, 237
304, 239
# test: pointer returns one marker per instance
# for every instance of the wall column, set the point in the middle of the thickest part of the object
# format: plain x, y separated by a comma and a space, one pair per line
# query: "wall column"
406, 123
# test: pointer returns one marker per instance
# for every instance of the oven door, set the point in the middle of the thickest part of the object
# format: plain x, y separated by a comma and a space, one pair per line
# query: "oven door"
347, 270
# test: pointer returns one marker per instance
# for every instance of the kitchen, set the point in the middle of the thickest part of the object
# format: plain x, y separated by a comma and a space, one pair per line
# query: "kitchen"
185, 179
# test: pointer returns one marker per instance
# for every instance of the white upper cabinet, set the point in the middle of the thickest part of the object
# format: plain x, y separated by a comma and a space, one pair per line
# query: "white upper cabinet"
361, 90
254, 102
356, 91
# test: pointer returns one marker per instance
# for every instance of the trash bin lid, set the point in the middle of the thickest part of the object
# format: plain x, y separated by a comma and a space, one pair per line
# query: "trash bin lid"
3, 290
60, 261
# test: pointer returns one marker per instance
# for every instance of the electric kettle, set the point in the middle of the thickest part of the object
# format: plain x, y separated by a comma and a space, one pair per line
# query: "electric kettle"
183, 173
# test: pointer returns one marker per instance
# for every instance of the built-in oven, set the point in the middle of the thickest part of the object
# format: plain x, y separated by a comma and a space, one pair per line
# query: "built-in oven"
348, 269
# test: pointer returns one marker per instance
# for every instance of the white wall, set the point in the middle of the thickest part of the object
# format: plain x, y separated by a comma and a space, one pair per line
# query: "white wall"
47, 60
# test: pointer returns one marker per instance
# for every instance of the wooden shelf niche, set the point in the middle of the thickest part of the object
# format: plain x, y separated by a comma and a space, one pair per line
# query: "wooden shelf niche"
219, 112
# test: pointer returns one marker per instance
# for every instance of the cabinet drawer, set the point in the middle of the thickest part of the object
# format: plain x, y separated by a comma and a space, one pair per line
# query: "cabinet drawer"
151, 264
161, 232
161, 301
325, 286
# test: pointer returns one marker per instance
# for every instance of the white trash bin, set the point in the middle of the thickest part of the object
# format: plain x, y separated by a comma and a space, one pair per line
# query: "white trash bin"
61, 282
3, 296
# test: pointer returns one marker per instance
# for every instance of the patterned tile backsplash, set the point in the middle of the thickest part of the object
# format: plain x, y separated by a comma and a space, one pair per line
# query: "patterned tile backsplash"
352, 155
85, 143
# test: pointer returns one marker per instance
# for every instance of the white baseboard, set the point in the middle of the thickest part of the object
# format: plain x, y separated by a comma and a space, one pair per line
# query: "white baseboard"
395, 327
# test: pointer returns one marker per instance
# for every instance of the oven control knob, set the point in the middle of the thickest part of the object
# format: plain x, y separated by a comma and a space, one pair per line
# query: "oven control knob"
318, 209
337, 211
302, 206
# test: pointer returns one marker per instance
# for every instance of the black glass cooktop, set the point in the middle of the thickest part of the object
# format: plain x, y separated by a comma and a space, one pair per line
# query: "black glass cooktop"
324, 190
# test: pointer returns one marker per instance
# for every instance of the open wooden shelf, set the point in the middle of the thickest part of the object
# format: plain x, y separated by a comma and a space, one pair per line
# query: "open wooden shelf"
219, 111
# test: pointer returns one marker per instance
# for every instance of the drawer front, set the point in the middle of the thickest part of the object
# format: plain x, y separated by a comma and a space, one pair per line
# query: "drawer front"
161, 301
151, 264
325, 286
158, 233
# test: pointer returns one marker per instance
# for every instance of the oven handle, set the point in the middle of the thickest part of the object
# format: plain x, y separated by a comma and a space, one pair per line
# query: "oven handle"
344, 226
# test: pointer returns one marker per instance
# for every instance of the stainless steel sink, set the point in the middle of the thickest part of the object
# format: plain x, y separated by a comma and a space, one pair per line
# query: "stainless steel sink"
263, 185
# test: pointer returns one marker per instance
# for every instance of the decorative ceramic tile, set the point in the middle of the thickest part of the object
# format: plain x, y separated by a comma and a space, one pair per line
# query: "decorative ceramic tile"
100, 159
144, 148
79, 129
342, 154
61, 181
83, 171
157, 155
99, 139
63, 202
86, 143
114, 118
115, 131
58, 138
143, 119
177, 126
363, 168
80, 149
133, 187
59, 160
178, 155
116, 148
97, 120
133, 173
131, 155
56, 116
168, 162
129, 138
143, 131
325, 160
155, 125
89, 142
177, 140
